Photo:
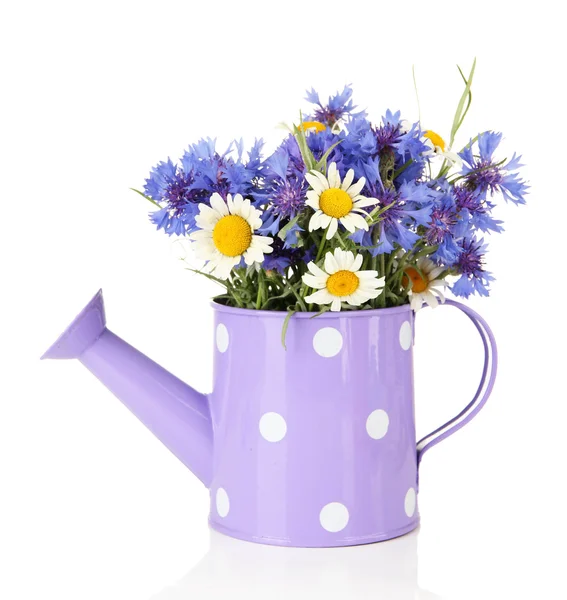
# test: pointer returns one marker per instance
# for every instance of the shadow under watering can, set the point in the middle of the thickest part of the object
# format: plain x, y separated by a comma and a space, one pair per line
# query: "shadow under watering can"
312, 445
235, 569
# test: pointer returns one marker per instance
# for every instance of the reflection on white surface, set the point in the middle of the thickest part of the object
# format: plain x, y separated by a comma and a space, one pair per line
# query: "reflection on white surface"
233, 569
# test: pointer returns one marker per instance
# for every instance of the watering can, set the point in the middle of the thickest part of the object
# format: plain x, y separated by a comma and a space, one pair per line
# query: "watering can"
308, 445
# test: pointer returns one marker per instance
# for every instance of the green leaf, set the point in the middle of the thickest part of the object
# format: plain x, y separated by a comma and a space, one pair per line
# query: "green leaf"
322, 311
399, 171
426, 251
459, 114
469, 99
250, 270
290, 314
146, 197
322, 164
222, 282
306, 154
280, 297
416, 94
283, 231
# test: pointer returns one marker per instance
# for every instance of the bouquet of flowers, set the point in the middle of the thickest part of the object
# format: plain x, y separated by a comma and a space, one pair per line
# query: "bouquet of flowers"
345, 213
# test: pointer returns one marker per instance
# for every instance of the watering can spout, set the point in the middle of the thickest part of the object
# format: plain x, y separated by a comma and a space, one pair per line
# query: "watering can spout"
173, 411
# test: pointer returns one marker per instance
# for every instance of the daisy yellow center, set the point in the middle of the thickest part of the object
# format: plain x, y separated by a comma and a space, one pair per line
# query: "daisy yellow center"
436, 139
335, 203
308, 125
418, 282
232, 235
343, 283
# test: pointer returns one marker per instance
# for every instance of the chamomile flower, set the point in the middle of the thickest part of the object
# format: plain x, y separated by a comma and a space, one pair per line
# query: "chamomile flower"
342, 281
439, 147
313, 126
226, 234
335, 202
424, 285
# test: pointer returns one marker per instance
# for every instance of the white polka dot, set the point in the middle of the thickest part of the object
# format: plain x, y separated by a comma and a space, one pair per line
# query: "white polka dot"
410, 502
328, 342
222, 502
405, 335
334, 517
273, 427
377, 424
222, 337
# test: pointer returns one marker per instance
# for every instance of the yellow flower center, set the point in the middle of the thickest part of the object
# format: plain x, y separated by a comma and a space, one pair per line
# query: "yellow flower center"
335, 203
232, 235
308, 125
342, 283
419, 283
436, 139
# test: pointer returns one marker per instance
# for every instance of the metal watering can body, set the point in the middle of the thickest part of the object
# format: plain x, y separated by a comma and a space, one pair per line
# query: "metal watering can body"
311, 445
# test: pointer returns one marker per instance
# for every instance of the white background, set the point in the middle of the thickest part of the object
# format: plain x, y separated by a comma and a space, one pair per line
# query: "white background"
94, 94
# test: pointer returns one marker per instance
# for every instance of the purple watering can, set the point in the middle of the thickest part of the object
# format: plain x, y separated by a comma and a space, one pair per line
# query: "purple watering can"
313, 445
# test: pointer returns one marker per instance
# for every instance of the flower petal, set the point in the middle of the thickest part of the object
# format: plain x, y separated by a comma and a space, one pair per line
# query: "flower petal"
356, 188
317, 283
348, 223
219, 204
319, 297
333, 176
332, 229
362, 201
317, 271
356, 263
336, 305
331, 264
347, 180
315, 183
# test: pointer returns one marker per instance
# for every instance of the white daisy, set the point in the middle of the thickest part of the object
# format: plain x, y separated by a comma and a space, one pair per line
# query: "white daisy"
342, 281
424, 283
439, 148
335, 202
226, 234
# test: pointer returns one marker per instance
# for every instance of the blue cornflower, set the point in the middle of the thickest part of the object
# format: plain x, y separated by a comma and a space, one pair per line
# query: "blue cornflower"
472, 205
338, 107
407, 208
470, 265
401, 145
282, 257
203, 171
284, 184
171, 187
389, 132
442, 229
223, 173
358, 145
320, 142
287, 196
482, 174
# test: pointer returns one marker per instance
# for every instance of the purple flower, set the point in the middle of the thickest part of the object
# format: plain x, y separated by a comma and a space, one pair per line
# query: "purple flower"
282, 257
337, 108
470, 203
408, 208
172, 188
442, 230
483, 175
470, 265
203, 171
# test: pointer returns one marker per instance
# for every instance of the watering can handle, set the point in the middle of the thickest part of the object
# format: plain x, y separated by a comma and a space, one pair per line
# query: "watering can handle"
482, 393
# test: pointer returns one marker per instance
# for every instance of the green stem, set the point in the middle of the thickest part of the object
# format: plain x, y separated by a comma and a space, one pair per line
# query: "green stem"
322, 244
299, 298
305, 289
382, 297
260, 288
